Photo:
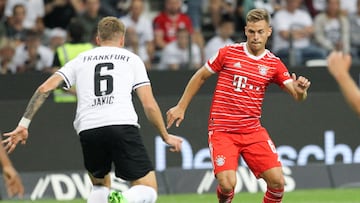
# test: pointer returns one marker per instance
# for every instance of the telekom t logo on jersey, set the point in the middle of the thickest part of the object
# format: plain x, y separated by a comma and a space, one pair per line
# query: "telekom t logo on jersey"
240, 82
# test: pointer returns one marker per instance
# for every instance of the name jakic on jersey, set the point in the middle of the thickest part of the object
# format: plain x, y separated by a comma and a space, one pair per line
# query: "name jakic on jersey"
99, 101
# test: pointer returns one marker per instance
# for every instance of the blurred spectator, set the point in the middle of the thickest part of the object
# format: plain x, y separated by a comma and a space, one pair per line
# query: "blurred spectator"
348, 7
89, 18
65, 53
35, 11
219, 8
139, 33
168, 22
132, 43
293, 31
2, 18
223, 36
74, 45
43, 32
58, 13
270, 6
240, 22
116, 8
7, 52
354, 34
2, 9
315, 7
14, 25
57, 37
32, 56
194, 11
332, 31
244, 6
181, 53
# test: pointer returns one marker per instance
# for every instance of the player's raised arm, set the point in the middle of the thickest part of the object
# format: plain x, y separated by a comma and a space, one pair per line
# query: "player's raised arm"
176, 113
339, 65
20, 133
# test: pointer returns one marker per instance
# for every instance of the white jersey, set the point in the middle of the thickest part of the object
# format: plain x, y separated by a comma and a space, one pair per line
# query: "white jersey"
104, 79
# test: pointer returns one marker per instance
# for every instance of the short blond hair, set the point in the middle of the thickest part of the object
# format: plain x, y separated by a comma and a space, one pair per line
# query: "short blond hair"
110, 28
256, 15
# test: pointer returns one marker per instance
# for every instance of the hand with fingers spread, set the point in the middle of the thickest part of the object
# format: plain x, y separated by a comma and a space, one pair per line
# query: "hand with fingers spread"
12, 181
175, 114
20, 134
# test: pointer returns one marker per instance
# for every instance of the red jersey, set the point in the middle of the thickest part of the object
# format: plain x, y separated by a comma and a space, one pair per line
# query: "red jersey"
240, 89
168, 26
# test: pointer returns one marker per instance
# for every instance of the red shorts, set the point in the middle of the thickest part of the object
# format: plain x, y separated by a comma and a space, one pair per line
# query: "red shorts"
257, 150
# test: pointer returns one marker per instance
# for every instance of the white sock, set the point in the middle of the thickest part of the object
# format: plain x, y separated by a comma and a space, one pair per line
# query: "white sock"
98, 194
140, 194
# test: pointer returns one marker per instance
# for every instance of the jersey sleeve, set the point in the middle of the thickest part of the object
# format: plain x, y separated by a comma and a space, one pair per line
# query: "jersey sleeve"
140, 75
282, 75
215, 63
68, 73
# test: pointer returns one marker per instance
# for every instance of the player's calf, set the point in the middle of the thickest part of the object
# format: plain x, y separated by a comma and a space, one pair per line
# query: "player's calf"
273, 195
224, 197
137, 194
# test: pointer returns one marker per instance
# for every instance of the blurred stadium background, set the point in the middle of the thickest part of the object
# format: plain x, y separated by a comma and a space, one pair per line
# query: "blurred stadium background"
318, 140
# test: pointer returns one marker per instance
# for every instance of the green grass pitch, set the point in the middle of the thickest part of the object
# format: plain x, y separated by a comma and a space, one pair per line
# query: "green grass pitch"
299, 196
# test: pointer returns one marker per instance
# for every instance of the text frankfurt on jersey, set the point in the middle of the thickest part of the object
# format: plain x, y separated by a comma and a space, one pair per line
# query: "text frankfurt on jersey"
106, 57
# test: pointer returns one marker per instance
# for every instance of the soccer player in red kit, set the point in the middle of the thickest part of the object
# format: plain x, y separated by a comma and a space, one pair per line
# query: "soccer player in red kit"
244, 72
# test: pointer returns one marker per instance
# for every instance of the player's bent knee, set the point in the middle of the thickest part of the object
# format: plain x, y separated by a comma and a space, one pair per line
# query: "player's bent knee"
148, 180
227, 181
101, 181
277, 183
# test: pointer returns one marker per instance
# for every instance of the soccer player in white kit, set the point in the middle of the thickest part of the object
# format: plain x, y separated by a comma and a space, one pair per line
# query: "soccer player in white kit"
106, 120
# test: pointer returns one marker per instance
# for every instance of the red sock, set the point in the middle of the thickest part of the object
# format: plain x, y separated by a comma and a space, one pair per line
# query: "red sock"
224, 197
273, 195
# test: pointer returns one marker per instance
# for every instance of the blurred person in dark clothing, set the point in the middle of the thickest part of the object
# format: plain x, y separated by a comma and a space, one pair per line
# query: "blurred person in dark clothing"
89, 18
58, 13
32, 56
15, 29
